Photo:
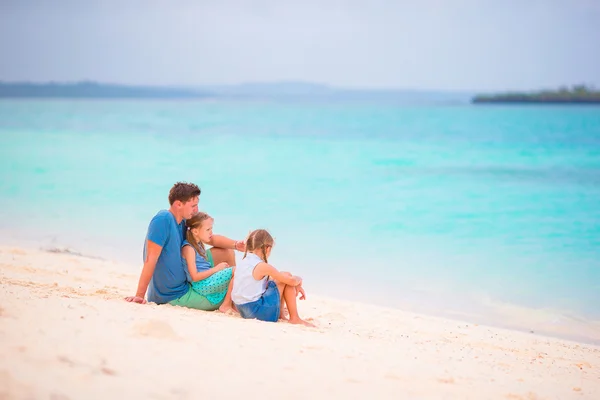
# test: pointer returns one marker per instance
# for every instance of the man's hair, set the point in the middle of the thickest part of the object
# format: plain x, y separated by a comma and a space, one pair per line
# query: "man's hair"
183, 192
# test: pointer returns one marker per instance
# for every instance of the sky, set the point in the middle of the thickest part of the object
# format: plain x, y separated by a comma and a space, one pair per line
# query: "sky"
426, 44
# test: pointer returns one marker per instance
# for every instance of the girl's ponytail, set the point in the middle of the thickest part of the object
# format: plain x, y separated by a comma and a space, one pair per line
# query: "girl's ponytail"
259, 239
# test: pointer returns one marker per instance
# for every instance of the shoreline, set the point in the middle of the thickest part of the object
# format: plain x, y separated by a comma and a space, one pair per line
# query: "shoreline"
67, 333
496, 315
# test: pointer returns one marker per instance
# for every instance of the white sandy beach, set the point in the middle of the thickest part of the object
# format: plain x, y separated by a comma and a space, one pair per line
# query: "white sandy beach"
67, 333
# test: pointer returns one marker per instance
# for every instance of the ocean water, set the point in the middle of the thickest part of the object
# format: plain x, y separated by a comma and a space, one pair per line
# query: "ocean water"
445, 208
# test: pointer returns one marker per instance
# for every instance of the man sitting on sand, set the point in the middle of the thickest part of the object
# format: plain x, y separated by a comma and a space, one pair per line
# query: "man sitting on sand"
163, 274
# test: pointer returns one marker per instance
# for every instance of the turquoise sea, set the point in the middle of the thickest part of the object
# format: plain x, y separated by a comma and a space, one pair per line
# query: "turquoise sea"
448, 209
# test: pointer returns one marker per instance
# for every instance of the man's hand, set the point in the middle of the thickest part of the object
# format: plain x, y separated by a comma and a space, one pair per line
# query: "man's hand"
240, 245
300, 289
135, 299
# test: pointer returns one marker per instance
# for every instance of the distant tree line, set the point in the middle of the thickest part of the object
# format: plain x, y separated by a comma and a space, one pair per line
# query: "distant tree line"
575, 94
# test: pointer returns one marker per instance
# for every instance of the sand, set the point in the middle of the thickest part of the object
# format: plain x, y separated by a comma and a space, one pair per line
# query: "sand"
67, 333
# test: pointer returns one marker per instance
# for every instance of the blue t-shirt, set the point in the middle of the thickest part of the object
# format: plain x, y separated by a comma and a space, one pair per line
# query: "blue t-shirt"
169, 280
202, 264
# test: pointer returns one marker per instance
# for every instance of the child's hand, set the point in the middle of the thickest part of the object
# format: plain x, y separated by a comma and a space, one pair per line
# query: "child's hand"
221, 266
300, 289
297, 280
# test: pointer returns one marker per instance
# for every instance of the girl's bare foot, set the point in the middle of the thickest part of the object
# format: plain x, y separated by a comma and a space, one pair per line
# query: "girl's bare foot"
299, 321
284, 315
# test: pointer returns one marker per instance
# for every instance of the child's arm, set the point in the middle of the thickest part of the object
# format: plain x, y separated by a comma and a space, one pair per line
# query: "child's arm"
263, 269
189, 254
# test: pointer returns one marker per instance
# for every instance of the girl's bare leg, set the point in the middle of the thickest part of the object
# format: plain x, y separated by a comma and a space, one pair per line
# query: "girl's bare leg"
227, 304
281, 287
290, 300
283, 312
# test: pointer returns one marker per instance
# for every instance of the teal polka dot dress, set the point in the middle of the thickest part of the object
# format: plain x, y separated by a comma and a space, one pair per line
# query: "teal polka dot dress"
214, 288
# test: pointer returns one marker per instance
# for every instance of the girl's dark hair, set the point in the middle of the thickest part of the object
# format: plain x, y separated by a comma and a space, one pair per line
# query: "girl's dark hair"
195, 222
259, 239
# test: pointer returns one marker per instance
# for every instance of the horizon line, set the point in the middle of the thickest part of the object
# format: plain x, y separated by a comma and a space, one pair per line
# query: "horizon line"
245, 83
204, 86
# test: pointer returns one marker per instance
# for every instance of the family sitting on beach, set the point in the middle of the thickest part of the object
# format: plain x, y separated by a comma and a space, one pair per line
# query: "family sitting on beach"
180, 271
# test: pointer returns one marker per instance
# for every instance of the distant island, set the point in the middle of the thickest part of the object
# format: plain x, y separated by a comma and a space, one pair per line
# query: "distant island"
251, 91
93, 90
578, 94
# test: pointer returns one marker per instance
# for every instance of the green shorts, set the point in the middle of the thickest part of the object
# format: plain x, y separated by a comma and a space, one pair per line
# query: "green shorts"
193, 299
209, 258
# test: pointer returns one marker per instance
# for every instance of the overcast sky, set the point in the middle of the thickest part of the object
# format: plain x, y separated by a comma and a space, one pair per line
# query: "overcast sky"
425, 44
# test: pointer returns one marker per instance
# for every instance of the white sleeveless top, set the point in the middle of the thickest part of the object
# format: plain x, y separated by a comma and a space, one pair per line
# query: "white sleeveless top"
246, 289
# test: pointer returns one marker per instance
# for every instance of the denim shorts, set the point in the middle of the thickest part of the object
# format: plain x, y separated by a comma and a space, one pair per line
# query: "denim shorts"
264, 309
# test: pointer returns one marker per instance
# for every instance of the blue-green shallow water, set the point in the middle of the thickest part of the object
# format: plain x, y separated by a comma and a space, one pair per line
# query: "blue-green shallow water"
441, 207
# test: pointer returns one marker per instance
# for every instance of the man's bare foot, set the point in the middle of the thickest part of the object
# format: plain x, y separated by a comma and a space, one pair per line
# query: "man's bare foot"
284, 313
299, 321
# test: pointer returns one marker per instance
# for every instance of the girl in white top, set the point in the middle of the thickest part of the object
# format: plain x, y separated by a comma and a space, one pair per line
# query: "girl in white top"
257, 297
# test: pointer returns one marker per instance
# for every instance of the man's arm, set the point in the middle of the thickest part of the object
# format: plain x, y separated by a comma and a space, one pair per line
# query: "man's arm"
152, 253
226, 243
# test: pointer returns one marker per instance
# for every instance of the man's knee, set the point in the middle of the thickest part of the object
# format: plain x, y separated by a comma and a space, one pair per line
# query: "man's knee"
223, 255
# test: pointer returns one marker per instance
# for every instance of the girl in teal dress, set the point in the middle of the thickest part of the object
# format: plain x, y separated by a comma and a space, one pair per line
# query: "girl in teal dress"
212, 282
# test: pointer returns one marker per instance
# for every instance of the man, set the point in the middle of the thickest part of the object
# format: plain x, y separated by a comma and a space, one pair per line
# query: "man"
163, 275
